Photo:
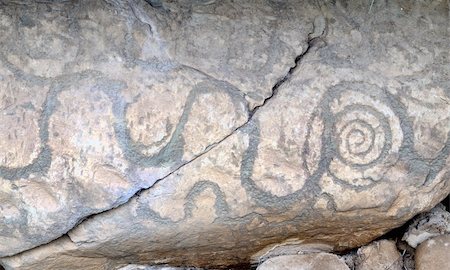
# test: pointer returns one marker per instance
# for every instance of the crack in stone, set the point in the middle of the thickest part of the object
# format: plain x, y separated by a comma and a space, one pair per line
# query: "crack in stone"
312, 41
139, 15
286, 77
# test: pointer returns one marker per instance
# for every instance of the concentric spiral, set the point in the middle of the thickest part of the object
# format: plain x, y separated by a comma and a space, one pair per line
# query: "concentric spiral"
361, 134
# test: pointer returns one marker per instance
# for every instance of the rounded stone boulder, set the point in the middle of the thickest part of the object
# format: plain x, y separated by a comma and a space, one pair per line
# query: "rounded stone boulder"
381, 254
433, 253
206, 133
314, 261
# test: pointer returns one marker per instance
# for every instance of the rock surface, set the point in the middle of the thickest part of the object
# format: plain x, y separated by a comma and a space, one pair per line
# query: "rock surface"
176, 132
427, 225
150, 267
433, 254
379, 255
314, 261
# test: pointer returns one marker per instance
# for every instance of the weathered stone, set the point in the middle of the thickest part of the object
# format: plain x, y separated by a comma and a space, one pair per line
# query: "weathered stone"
100, 124
313, 261
350, 259
433, 253
428, 225
289, 247
150, 267
381, 254
250, 45
408, 254
185, 113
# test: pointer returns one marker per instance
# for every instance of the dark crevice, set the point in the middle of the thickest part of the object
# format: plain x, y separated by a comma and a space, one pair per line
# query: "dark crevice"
155, 3
446, 203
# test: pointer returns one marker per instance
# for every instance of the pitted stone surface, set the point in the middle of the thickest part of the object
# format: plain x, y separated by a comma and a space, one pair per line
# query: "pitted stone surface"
87, 121
314, 261
433, 253
381, 254
173, 123
428, 225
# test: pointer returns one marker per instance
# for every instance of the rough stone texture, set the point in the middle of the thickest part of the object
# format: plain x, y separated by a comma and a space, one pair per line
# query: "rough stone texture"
381, 254
187, 114
90, 115
350, 259
427, 225
433, 254
289, 247
314, 261
151, 267
408, 254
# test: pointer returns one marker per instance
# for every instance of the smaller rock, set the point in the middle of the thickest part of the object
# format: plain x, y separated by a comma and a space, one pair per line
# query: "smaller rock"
381, 254
427, 225
433, 254
312, 261
407, 254
350, 259
154, 267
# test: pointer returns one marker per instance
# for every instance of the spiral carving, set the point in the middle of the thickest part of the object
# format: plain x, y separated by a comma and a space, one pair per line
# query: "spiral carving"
361, 131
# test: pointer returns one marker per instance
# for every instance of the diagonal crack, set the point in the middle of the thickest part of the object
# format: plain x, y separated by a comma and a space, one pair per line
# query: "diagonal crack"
312, 43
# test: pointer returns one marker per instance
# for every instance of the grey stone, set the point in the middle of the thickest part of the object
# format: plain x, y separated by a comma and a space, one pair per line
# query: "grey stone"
313, 261
428, 225
203, 133
433, 253
153, 267
381, 254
